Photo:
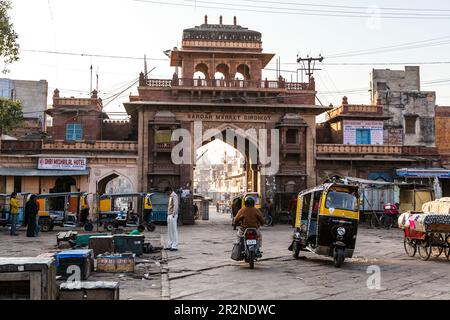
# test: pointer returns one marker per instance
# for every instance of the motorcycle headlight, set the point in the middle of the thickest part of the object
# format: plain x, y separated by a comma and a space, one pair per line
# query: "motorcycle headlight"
340, 231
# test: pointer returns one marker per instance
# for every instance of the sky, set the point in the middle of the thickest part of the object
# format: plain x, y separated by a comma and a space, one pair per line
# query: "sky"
131, 28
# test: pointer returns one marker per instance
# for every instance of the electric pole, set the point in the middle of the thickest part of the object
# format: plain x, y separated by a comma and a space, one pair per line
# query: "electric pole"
311, 64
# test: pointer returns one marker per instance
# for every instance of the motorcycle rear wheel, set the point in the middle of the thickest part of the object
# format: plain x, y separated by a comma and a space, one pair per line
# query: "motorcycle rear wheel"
251, 259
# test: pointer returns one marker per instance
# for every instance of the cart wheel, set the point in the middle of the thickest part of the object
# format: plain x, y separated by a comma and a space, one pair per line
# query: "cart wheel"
436, 250
151, 227
410, 247
424, 249
447, 246
88, 226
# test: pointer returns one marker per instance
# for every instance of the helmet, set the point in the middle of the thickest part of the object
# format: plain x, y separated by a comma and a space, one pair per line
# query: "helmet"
249, 202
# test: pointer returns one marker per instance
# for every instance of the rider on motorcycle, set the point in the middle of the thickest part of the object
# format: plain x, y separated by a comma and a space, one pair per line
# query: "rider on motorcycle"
249, 217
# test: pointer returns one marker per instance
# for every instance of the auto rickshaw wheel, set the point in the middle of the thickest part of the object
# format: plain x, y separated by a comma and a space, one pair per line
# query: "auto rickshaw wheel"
46, 227
108, 227
424, 249
339, 257
410, 247
295, 251
151, 227
88, 226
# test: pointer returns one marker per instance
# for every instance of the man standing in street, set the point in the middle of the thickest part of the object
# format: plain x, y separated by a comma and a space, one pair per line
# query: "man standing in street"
13, 212
84, 214
172, 216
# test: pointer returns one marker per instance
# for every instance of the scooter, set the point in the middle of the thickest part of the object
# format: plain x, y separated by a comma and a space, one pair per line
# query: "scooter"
391, 212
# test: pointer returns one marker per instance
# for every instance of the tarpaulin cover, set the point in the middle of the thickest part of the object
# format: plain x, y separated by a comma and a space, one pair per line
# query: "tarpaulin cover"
438, 206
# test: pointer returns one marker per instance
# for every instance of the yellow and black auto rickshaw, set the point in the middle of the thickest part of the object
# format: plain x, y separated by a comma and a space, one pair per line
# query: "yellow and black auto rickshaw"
61, 209
239, 203
326, 221
117, 209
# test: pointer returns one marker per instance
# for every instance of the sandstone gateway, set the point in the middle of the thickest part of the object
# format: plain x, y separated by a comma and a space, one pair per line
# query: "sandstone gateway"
239, 99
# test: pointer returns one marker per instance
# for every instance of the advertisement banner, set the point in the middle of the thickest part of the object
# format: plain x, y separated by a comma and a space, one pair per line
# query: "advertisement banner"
62, 163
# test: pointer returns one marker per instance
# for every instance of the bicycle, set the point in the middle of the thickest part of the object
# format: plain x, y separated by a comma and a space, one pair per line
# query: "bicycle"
377, 220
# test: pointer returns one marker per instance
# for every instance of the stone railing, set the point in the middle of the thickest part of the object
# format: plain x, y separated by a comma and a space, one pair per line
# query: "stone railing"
355, 108
113, 146
233, 84
358, 149
21, 146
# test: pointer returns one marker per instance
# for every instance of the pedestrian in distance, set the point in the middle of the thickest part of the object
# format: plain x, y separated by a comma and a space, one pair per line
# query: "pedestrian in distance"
172, 216
31, 211
13, 212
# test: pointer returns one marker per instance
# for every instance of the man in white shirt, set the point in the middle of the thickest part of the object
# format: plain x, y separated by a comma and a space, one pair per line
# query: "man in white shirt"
172, 216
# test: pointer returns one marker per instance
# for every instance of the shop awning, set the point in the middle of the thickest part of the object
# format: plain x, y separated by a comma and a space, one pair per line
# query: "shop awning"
25, 172
423, 173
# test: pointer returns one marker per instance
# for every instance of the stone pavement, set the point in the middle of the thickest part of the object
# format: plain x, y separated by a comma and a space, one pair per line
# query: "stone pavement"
202, 268
144, 283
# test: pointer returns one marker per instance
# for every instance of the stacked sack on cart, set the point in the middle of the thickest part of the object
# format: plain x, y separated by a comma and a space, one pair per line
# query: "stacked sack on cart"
435, 217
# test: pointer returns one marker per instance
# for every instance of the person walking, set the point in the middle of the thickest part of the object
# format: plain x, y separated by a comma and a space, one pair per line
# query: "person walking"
13, 212
172, 216
84, 214
31, 211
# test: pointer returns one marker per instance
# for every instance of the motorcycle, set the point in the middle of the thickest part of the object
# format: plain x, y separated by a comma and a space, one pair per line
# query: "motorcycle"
251, 252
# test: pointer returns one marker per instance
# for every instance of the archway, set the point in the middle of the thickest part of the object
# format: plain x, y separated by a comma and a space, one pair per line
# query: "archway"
64, 184
244, 71
201, 74
114, 183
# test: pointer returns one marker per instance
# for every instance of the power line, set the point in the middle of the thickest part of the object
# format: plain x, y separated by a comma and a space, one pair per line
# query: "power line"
348, 7
403, 46
244, 8
92, 55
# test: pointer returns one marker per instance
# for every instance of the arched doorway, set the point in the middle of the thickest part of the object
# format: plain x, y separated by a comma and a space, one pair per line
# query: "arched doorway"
64, 184
114, 183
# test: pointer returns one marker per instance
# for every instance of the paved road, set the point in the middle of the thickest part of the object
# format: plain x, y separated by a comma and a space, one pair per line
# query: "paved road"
202, 269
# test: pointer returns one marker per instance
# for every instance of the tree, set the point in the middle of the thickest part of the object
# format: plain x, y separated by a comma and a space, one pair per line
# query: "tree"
9, 48
11, 115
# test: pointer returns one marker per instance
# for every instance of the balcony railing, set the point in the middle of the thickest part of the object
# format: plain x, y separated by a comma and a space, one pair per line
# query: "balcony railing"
358, 149
355, 109
113, 146
21, 146
233, 84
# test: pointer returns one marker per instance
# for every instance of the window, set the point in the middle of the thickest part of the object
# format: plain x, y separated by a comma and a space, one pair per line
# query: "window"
291, 136
74, 131
341, 200
163, 136
410, 125
363, 136
306, 202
